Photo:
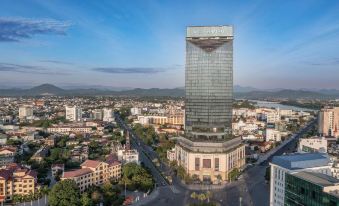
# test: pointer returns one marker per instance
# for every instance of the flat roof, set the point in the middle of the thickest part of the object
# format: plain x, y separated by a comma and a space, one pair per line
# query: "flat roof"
317, 178
301, 161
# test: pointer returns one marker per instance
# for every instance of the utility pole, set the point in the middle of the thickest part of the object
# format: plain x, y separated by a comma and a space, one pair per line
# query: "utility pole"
240, 201
125, 189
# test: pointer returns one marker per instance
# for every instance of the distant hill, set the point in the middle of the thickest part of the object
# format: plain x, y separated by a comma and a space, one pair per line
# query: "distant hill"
240, 92
49, 89
241, 89
284, 94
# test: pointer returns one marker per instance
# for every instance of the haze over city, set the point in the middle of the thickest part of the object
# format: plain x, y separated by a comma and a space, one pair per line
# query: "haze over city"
140, 44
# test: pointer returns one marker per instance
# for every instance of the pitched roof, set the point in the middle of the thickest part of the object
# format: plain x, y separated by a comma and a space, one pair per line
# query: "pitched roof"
112, 160
301, 161
12, 149
6, 174
77, 173
91, 163
32, 173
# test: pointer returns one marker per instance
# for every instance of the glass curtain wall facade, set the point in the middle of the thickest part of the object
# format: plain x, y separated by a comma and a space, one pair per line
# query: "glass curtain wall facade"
209, 83
301, 192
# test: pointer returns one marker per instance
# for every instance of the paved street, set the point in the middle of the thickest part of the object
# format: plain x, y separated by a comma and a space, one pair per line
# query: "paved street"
143, 150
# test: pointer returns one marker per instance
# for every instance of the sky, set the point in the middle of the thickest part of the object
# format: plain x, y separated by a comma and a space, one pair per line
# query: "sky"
141, 44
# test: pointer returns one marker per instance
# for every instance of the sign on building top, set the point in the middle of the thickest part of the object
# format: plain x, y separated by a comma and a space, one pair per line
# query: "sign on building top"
209, 31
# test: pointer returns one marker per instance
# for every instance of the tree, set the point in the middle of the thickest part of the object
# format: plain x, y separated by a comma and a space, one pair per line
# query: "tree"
96, 197
85, 200
64, 193
136, 177
181, 172
233, 174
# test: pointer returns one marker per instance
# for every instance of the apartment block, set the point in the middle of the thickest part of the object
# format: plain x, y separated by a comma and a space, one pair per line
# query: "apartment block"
328, 121
94, 173
17, 180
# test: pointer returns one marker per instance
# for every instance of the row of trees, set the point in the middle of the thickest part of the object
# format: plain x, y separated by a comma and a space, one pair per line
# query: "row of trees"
67, 193
147, 134
135, 177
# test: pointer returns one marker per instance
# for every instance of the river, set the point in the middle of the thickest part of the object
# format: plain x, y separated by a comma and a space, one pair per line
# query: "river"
278, 105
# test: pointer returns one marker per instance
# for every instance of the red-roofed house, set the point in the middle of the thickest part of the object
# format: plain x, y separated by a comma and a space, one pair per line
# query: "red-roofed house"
94, 172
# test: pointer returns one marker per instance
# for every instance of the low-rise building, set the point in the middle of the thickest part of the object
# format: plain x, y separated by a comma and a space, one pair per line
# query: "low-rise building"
79, 153
17, 180
7, 155
69, 129
171, 154
128, 155
94, 173
40, 154
273, 135
57, 169
313, 144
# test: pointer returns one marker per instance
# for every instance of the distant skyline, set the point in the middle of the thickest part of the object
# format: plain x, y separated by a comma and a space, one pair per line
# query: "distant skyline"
141, 44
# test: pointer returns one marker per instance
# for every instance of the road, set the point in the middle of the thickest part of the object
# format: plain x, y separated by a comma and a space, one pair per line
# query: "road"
287, 146
251, 189
143, 150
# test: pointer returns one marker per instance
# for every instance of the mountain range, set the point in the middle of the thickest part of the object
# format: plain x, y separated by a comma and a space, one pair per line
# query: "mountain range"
239, 92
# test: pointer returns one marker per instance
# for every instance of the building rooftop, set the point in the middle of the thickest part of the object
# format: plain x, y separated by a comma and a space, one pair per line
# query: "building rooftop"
301, 161
91, 163
77, 173
317, 178
209, 31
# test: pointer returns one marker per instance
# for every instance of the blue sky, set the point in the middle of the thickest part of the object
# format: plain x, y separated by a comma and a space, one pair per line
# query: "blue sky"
130, 43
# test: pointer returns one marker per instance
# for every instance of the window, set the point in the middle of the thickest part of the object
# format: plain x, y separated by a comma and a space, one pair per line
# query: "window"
216, 164
313, 195
197, 163
206, 163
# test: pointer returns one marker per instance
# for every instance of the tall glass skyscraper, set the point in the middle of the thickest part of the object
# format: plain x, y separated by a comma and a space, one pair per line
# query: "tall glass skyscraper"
208, 150
209, 83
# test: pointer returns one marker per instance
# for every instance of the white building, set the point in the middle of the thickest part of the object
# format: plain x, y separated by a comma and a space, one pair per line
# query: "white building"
73, 113
273, 135
135, 111
280, 165
97, 114
286, 112
107, 115
144, 120
313, 144
26, 112
128, 156
273, 117
171, 154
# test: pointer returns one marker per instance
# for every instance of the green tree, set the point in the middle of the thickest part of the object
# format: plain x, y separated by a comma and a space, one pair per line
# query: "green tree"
64, 193
86, 200
233, 174
136, 177
181, 172
96, 196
